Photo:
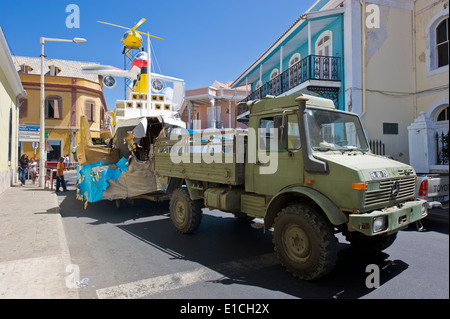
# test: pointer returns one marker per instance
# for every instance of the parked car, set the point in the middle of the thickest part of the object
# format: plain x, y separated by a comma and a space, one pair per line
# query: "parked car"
433, 188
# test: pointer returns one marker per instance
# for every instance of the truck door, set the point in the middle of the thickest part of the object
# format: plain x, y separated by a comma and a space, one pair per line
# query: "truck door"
277, 165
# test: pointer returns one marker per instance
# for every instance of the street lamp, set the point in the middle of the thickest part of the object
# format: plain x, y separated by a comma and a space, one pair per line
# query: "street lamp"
42, 152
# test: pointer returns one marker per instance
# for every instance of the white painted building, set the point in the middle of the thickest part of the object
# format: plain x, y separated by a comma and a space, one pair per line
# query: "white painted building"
431, 63
11, 91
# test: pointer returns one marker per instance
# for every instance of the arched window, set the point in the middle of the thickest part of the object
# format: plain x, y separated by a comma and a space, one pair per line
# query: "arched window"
323, 60
295, 59
274, 74
324, 44
258, 84
442, 115
442, 31
437, 48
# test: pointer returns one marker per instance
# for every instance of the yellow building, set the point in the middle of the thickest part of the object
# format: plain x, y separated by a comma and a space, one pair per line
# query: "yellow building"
68, 94
10, 91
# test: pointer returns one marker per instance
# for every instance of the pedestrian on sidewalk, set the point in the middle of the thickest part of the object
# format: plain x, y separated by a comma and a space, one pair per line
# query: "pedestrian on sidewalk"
24, 165
33, 169
67, 161
60, 175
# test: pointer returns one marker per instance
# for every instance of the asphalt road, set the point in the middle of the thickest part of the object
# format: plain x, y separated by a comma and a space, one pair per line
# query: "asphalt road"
134, 252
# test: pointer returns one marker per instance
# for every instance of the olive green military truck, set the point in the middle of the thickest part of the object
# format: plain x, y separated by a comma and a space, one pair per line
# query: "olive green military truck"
305, 168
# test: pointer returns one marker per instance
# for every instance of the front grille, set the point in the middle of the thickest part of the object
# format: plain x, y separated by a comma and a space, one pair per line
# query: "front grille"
391, 190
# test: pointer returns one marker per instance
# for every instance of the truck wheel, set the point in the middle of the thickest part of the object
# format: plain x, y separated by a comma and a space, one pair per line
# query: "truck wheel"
370, 244
304, 242
186, 214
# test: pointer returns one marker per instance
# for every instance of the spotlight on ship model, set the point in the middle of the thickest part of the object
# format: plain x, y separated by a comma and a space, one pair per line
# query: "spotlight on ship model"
109, 81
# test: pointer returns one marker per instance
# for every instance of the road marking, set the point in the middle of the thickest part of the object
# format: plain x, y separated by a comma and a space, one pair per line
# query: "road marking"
152, 286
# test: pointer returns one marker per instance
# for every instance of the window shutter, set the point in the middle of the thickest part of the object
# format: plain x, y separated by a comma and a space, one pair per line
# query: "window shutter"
89, 110
23, 108
57, 109
92, 112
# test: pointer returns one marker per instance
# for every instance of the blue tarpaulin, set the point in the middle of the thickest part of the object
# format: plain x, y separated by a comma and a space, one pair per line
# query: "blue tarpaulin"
93, 178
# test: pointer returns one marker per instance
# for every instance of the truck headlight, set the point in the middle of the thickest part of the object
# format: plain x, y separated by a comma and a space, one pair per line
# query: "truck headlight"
379, 224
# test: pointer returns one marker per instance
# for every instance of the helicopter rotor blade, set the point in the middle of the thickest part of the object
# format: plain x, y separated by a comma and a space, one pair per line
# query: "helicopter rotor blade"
149, 35
138, 24
115, 25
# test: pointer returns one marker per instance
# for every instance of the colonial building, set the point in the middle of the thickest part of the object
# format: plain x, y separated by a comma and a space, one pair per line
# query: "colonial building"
11, 90
309, 56
213, 106
364, 55
68, 94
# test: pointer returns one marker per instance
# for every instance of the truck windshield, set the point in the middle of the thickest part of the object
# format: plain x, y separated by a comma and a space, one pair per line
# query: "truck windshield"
331, 130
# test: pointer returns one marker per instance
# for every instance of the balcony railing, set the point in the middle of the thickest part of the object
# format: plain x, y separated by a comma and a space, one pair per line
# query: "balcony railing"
312, 67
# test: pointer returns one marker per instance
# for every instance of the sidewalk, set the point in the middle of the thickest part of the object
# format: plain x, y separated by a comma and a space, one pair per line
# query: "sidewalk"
33, 248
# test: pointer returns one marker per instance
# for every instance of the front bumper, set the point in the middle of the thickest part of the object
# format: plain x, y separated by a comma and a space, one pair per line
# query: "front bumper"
395, 217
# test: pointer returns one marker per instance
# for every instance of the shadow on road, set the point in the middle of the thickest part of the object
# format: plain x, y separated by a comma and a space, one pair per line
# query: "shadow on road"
227, 246
105, 211
231, 248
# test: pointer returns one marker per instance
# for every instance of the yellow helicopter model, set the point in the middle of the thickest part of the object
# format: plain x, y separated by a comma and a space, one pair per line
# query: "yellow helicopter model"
131, 39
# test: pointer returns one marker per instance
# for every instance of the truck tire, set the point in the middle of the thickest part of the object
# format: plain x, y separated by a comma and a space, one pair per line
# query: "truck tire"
186, 214
304, 242
370, 244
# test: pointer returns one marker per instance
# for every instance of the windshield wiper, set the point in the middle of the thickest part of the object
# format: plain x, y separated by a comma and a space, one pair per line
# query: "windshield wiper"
322, 149
351, 149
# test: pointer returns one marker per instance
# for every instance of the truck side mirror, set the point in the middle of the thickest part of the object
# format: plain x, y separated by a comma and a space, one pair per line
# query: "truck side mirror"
312, 165
283, 129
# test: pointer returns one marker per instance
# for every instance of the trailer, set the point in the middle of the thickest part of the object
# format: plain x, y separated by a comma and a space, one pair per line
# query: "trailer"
121, 167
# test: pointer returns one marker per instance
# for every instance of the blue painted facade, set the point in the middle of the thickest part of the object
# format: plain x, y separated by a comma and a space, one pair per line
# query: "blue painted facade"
317, 38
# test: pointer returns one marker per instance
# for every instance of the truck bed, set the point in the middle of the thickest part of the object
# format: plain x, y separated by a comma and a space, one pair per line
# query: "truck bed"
223, 170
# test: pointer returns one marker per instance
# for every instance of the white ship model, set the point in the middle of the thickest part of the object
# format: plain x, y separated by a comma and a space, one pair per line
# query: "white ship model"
121, 168
149, 94
165, 98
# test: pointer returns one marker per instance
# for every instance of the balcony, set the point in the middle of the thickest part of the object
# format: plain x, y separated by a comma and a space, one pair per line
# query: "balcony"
312, 67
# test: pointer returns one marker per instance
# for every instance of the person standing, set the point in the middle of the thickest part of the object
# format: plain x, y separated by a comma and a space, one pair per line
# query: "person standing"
24, 165
67, 161
33, 170
60, 175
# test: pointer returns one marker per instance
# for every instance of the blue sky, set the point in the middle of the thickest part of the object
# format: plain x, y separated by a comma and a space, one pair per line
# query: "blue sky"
203, 40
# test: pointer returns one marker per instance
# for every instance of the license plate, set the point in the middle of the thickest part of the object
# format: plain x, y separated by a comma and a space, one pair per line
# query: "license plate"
438, 199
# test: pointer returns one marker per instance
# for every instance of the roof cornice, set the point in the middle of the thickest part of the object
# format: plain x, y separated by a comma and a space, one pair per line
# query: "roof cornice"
7, 65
